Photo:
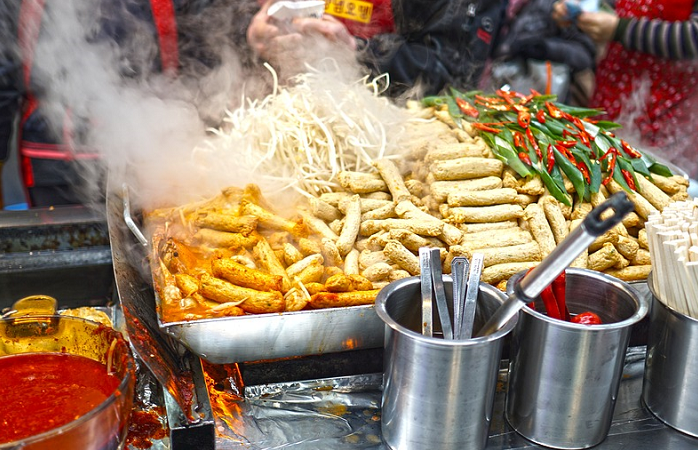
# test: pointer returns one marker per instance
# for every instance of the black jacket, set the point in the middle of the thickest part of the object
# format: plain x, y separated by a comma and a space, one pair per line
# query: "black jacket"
533, 34
437, 43
10, 81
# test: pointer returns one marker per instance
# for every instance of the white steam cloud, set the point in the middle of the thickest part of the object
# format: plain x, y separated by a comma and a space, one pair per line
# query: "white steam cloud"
144, 124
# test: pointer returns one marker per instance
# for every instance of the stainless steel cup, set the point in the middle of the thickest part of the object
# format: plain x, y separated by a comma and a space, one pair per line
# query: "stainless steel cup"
671, 369
437, 394
564, 377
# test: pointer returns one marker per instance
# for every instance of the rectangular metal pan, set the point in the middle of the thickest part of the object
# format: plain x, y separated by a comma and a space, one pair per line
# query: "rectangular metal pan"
264, 336
279, 335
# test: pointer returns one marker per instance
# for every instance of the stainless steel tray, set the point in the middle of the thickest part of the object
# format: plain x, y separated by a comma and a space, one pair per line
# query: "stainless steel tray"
262, 336
279, 335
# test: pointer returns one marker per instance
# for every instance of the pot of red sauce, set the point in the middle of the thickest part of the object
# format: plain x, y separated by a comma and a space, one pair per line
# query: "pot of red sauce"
67, 382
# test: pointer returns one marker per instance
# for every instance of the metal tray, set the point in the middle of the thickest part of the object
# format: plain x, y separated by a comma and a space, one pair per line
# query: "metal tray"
279, 335
262, 336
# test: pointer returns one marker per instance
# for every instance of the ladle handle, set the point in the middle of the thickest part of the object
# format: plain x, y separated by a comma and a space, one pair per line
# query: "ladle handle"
530, 287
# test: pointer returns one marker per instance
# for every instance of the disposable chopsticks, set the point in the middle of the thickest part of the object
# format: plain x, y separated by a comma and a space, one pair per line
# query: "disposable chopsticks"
672, 238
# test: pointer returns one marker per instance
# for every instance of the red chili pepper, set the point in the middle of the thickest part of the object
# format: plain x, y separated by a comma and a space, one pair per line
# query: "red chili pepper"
519, 140
507, 96
567, 144
585, 171
550, 303
466, 108
628, 179
553, 111
527, 98
612, 163
524, 118
629, 150
483, 127
559, 287
540, 115
566, 153
611, 168
587, 318
556, 113
488, 99
585, 138
611, 151
523, 156
534, 143
496, 123
578, 123
550, 159
493, 106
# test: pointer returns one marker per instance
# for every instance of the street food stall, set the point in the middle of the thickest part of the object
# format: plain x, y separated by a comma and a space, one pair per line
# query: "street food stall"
261, 315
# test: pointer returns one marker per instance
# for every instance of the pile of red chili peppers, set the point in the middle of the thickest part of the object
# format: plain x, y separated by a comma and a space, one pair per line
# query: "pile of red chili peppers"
533, 134
555, 303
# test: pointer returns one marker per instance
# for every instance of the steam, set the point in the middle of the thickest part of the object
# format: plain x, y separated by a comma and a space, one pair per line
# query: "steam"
144, 124
678, 149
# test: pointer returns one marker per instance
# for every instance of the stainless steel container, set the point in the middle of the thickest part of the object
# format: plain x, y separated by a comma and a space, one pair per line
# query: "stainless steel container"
671, 369
437, 394
564, 377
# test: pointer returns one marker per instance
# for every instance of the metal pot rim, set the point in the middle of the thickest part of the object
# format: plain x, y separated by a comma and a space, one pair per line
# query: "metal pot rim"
674, 312
640, 312
392, 323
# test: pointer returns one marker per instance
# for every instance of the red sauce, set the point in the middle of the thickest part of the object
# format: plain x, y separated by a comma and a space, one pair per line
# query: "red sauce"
144, 427
42, 391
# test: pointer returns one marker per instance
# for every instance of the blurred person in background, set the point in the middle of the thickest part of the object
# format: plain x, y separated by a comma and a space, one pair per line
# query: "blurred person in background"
648, 77
134, 39
423, 45
530, 39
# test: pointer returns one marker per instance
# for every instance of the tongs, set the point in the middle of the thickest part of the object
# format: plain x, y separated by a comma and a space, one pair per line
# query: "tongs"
466, 281
562, 256
466, 286
431, 277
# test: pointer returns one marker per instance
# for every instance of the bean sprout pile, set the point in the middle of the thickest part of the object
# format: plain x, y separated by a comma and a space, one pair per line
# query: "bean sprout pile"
303, 135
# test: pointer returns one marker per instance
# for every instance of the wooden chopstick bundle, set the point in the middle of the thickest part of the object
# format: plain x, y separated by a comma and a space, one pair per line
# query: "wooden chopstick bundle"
672, 237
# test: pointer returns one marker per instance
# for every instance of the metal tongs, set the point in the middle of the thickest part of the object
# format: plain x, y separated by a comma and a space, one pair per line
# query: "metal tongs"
431, 278
466, 280
562, 256
466, 286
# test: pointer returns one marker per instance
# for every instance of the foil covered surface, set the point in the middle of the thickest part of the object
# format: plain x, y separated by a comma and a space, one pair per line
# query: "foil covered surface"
344, 414
337, 413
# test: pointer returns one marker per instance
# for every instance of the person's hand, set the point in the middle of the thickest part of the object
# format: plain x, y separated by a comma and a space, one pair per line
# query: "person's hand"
560, 14
266, 36
270, 38
599, 26
327, 26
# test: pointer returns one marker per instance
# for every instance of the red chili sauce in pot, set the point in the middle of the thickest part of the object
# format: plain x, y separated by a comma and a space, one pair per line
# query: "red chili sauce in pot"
43, 391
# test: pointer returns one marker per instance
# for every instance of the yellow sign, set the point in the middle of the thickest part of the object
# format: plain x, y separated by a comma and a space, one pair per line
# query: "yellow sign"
350, 9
